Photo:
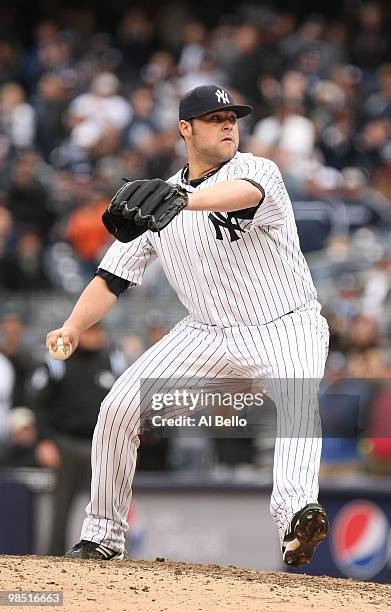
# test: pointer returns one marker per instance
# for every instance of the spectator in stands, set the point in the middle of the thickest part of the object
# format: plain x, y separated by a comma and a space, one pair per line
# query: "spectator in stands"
343, 403
371, 367
363, 334
336, 141
320, 215
155, 328
162, 155
377, 289
133, 347
343, 306
377, 447
12, 346
364, 206
36, 57
160, 73
63, 192
24, 266
5, 240
306, 37
17, 116
193, 47
327, 98
136, 40
378, 105
21, 447
348, 401
85, 230
101, 107
369, 44
50, 103
286, 136
372, 144
142, 127
109, 173
252, 58
207, 73
27, 199
10, 61
65, 396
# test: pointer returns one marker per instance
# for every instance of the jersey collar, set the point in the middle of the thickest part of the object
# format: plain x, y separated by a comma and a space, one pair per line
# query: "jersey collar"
201, 179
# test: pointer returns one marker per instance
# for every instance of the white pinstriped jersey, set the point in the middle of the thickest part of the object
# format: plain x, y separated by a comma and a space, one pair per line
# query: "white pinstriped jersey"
227, 271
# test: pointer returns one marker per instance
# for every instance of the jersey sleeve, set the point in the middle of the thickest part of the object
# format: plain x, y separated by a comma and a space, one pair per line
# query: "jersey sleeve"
130, 260
273, 208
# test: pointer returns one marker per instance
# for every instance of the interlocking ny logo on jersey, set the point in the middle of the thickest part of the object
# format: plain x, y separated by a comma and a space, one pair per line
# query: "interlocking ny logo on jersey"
219, 221
222, 96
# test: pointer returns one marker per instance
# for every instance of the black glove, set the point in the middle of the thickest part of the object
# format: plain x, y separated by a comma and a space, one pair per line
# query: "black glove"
143, 205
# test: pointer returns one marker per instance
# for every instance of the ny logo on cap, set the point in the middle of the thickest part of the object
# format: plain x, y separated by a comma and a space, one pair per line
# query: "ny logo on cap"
222, 96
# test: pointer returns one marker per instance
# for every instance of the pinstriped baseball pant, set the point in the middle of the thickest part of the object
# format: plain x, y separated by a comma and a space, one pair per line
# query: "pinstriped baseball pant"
293, 347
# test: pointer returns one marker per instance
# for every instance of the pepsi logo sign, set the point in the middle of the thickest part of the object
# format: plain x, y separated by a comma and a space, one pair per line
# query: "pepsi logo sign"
360, 539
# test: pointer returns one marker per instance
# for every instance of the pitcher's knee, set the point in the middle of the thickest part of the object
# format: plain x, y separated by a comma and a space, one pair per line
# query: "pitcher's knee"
118, 416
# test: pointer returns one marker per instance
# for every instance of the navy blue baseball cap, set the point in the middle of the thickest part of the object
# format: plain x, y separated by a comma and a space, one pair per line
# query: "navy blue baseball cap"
208, 98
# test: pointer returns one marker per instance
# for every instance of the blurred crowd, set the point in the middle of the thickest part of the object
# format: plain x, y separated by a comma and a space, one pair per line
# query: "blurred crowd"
81, 108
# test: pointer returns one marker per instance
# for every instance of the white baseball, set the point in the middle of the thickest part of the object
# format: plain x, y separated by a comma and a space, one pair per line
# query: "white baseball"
61, 352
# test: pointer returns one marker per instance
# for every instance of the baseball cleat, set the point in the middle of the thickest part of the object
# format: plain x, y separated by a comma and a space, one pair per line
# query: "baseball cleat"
309, 527
92, 550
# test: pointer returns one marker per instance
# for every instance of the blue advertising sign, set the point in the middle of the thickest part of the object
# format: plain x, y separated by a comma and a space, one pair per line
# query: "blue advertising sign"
359, 544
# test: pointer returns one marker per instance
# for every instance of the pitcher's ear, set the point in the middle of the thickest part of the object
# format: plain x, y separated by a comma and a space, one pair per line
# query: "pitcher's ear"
185, 128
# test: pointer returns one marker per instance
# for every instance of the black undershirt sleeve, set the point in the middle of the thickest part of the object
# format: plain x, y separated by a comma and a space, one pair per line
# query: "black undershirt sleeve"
116, 284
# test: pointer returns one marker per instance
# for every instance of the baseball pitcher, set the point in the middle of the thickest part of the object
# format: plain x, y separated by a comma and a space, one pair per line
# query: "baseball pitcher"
224, 232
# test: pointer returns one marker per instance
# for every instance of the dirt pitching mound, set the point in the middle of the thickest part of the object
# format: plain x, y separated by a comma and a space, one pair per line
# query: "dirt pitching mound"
147, 586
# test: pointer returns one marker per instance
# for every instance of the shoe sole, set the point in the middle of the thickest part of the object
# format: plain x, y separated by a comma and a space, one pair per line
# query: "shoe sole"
117, 557
311, 529
86, 555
